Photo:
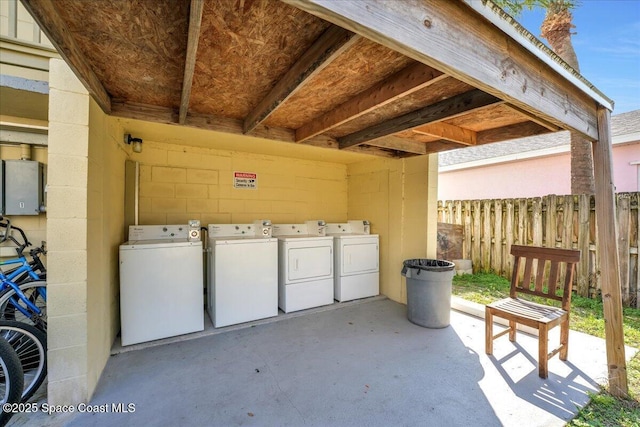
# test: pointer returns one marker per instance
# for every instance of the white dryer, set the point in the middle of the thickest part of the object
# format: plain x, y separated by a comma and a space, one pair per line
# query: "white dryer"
161, 282
305, 265
357, 260
243, 273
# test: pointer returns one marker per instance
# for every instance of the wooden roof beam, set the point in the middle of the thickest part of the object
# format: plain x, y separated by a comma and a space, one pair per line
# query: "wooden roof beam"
47, 18
331, 44
446, 109
400, 144
405, 82
448, 132
452, 37
505, 133
195, 20
533, 118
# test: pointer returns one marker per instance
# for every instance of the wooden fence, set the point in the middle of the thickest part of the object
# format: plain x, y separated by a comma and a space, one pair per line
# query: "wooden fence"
492, 226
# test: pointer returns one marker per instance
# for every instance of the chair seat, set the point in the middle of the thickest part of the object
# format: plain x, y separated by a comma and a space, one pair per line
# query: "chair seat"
528, 310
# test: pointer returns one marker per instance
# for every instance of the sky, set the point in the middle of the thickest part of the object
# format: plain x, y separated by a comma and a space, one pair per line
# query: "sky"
607, 43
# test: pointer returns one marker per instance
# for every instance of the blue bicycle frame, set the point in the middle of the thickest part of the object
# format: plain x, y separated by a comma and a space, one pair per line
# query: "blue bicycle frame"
7, 282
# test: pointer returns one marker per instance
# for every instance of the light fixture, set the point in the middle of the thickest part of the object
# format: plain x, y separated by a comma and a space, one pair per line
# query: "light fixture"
136, 143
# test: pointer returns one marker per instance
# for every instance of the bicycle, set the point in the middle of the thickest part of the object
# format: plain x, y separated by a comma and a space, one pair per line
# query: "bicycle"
30, 345
11, 379
22, 289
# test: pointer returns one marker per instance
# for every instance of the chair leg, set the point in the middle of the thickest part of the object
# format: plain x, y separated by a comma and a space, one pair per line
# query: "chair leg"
564, 339
512, 330
488, 331
543, 351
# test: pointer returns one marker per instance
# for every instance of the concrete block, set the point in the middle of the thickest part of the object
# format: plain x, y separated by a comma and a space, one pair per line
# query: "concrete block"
198, 160
255, 206
150, 155
67, 171
167, 205
62, 78
67, 331
192, 191
66, 234
66, 202
66, 363
202, 176
168, 174
68, 391
182, 218
58, 266
202, 206
144, 204
145, 173
157, 189
151, 218
215, 218
66, 138
66, 298
230, 205
68, 107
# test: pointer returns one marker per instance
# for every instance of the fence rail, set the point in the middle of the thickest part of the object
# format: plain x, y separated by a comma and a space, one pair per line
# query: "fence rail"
492, 226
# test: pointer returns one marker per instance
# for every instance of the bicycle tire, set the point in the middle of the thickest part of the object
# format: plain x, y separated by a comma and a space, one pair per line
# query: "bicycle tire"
11, 379
30, 344
31, 291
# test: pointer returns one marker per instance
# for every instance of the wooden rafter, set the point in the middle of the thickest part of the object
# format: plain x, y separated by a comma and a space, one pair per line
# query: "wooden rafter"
451, 37
195, 20
400, 144
333, 42
403, 83
48, 19
442, 110
534, 118
519, 130
448, 132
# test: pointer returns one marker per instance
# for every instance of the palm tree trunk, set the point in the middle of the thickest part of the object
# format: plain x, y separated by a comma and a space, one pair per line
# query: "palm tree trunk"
556, 28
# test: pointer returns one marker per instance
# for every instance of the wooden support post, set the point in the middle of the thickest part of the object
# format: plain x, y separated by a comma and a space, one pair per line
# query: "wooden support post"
609, 262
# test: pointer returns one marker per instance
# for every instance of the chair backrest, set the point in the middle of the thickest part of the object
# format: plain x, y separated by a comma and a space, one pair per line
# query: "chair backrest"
529, 283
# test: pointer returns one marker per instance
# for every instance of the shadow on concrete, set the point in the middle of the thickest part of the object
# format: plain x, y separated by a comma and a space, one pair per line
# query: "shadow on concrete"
355, 364
365, 365
562, 393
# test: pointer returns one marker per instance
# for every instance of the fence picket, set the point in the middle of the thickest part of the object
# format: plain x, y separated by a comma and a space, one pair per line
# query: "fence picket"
491, 227
623, 246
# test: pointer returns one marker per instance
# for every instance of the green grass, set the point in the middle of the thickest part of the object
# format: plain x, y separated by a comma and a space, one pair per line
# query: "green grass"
586, 316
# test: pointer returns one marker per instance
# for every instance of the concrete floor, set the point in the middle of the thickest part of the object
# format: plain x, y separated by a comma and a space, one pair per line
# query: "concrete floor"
357, 364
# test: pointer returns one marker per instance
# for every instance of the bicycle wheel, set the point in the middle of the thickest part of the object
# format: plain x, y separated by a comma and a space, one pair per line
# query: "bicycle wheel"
30, 344
11, 379
36, 293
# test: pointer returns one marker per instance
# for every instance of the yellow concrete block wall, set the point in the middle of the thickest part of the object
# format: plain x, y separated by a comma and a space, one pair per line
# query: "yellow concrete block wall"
178, 183
396, 195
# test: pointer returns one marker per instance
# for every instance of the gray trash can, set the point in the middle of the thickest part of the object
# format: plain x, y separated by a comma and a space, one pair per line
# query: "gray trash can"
428, 291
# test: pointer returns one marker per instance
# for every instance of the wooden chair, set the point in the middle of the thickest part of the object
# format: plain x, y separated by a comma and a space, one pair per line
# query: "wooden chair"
538, 316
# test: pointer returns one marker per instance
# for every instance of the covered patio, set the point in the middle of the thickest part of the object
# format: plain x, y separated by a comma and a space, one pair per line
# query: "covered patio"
358, 363
337, 104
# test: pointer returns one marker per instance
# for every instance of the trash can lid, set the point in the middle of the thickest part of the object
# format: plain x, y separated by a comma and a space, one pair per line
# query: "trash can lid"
429, 264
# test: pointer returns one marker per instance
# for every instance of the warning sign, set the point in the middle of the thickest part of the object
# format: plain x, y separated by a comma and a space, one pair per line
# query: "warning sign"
245, 180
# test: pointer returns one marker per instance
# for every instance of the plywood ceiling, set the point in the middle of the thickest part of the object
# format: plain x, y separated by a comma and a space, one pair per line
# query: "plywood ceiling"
265, 68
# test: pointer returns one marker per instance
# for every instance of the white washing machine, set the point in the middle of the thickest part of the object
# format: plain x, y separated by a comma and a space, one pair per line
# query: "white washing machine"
305, 265
161, 280
357, 260
243, 273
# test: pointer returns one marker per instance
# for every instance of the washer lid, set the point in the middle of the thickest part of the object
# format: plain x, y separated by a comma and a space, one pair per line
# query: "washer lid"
160, 243
299, 237
221, 240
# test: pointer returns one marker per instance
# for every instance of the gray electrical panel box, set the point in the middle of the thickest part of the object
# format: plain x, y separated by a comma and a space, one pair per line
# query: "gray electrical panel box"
23, 189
